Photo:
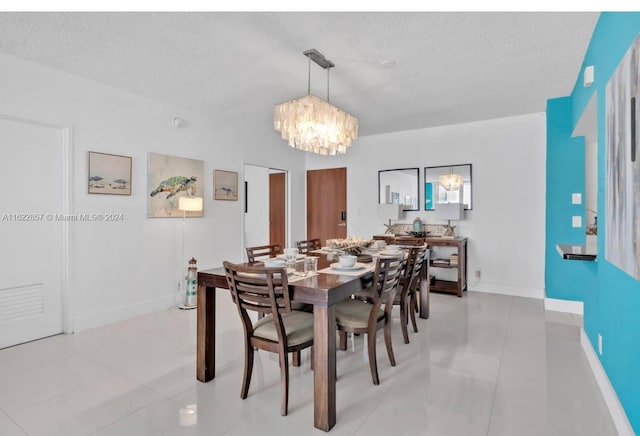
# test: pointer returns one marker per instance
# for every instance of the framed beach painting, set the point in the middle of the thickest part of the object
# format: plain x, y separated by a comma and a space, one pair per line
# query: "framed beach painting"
109, 174
168, 179
225, 185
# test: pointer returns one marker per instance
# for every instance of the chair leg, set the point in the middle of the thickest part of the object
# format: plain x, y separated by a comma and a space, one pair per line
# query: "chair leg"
295, 361
343, 340
404, 308
413, 314
387, 342
284, 382
248, 370
373, 361
416, 294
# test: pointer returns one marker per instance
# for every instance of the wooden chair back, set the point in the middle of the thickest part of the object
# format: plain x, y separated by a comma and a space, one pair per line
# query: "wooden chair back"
308, 245
258, 289
262, 252
386, 277
408, 285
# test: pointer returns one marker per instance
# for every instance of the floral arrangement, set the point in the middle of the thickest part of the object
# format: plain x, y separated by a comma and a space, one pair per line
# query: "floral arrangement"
351, 245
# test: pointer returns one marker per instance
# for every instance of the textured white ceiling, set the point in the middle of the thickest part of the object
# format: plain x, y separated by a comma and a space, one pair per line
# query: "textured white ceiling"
450, 67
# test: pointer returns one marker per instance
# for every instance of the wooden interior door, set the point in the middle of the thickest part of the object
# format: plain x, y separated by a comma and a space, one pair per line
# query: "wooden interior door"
277, 208
327, 204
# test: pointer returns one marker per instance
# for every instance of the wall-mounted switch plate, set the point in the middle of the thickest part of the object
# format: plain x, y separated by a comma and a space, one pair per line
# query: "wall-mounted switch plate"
589, 76
600, 344
576, 198
576, 221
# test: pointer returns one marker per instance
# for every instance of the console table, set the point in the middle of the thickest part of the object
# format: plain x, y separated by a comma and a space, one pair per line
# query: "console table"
452, 287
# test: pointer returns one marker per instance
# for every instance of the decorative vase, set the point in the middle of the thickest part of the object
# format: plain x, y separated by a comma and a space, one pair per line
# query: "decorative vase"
417, 224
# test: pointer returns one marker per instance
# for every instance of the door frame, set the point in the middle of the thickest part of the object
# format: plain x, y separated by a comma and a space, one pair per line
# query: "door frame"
67, 249
242, 194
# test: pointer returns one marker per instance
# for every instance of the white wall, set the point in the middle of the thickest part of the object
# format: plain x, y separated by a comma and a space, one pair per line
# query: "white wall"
256, 220
506, 226
122, 269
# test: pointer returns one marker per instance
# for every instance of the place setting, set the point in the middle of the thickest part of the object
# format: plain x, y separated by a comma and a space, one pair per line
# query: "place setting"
349, 265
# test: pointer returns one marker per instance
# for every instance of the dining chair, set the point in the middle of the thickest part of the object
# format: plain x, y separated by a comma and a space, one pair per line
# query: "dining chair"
282, 330
407, 298
263, 252
357, 316
308, 245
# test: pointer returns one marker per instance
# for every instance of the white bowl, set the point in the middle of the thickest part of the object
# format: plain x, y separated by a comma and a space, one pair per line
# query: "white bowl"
347, 261
274, 263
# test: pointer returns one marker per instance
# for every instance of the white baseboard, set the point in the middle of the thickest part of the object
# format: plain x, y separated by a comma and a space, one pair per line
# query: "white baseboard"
497, 288
610, 397
568, 306
97, 319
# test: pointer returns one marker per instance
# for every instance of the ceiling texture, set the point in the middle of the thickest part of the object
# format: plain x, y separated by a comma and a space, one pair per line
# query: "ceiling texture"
394, 70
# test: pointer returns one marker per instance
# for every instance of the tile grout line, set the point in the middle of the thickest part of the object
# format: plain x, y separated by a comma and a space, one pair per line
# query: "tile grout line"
504, 346
14, 421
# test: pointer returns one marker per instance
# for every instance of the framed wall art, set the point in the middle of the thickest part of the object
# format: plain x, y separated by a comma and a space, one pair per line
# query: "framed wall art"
622, 173
225, 185
109, 174
168, 179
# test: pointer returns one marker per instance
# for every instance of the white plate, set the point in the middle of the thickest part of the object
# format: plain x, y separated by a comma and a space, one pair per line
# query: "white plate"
390, 253
355, 267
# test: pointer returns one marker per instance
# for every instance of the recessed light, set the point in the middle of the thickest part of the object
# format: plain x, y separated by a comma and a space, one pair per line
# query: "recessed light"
389, 63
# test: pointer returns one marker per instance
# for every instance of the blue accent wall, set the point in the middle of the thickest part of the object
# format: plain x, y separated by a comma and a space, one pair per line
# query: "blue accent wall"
564, 280
612, 305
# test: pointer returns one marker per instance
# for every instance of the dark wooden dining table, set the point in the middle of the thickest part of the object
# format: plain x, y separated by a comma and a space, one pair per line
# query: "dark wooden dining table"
323, 291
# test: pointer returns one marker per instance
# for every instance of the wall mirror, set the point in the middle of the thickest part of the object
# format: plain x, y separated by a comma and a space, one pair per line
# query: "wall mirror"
438, 189
399, 186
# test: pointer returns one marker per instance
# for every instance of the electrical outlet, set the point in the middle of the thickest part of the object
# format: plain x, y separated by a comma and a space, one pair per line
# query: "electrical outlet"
600, 344
478, 272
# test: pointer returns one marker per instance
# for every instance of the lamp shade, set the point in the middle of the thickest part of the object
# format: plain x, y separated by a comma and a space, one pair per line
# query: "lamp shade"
190, 204
390, 211
450, 211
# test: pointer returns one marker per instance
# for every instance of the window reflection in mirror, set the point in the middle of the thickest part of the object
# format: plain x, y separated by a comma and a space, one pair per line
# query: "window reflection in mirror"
399, 186
435, 192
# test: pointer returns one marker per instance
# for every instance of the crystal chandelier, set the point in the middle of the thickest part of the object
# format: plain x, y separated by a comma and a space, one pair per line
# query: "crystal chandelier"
450, 182
312, 124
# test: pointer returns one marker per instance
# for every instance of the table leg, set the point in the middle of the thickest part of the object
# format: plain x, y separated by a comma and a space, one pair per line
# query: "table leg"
324, 369
206, 334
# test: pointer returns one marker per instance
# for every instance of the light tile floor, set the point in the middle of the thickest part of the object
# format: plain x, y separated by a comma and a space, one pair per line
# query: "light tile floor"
484, 364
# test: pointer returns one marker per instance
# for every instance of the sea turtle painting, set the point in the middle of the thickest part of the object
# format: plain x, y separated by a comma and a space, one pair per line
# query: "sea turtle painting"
176, 184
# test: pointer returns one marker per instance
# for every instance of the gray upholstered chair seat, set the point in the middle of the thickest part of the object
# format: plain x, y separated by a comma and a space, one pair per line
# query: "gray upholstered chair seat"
297, 325
355, 313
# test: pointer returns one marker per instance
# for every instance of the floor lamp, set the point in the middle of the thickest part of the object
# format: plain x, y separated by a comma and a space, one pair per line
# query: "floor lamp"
187, 299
